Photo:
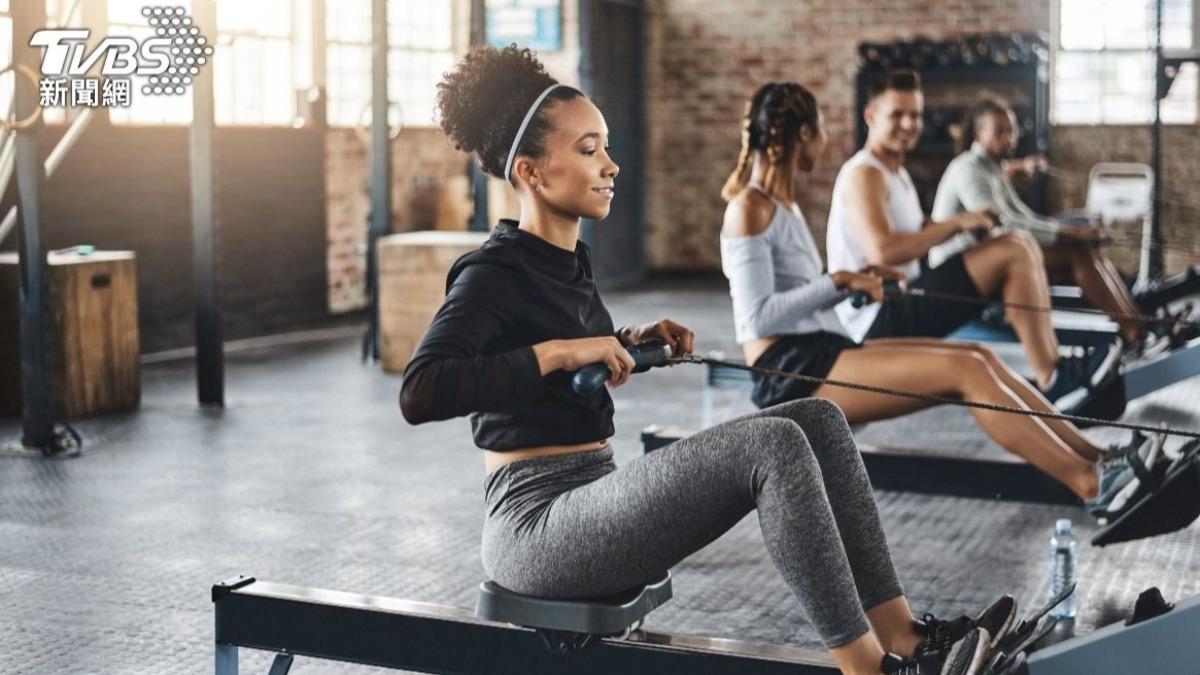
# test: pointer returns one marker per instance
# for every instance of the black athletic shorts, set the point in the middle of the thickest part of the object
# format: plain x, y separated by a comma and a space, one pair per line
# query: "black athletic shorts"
915, 316
808, 354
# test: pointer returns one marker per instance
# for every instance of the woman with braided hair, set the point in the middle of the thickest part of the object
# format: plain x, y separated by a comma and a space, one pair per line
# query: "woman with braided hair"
783, 306
562, 519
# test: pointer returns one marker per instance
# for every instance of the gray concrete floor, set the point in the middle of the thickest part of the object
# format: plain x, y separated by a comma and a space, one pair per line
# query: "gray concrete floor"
310, 476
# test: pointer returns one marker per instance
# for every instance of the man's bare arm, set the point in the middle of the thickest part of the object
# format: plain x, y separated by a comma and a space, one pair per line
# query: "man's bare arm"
866, 201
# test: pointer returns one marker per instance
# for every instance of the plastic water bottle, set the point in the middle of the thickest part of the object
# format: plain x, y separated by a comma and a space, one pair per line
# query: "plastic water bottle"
1062, 568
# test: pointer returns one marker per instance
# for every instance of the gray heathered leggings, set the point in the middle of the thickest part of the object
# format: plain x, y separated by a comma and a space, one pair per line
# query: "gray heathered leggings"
576, 526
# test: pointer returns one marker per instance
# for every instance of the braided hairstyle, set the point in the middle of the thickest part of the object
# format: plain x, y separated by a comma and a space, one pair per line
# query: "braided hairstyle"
483, 100
771, 126
970, 120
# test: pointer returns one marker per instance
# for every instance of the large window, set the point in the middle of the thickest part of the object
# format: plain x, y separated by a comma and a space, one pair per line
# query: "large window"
125, 18
264, 56
256, 73
259, 63
420, 39
1104, 61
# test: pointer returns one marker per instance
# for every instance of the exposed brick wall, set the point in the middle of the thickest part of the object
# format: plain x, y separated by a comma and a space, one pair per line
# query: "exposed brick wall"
1078, 148
423, 164
128, 188
704, 59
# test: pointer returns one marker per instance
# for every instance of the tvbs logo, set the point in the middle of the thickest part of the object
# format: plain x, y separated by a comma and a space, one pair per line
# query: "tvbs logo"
169, 60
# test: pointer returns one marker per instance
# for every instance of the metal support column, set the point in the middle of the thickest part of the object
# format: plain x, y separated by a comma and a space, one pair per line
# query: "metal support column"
381, 170
38, 412
210, 355
1152, 256
226, 659
478, 179
318, 61
93, 15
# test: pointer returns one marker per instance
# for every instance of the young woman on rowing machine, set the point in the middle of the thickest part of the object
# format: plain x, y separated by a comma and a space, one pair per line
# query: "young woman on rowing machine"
562, 520
784, 318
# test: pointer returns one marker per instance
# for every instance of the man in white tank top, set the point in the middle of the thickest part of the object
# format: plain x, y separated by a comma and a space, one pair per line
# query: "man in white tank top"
876, 219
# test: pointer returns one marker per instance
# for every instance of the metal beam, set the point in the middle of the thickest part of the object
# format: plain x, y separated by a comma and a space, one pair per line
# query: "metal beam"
381, 170
1070, 329
9, 223
1152, 254
210, 356
319, 45
962, 476
69, 139
38, 412
93, 14
1164, 645
1159, 372
8, 164
53, 160
321, 107
478, 179
426, 638
936, 473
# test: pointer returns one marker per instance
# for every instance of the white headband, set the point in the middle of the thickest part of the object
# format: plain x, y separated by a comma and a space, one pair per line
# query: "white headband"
512, 152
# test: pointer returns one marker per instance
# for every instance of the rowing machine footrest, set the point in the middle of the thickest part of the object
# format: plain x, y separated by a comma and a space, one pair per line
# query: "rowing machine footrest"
604, 616
1149, 605
1173, 504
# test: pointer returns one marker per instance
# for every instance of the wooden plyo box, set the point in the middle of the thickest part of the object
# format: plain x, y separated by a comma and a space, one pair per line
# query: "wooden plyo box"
92, 333
412, 283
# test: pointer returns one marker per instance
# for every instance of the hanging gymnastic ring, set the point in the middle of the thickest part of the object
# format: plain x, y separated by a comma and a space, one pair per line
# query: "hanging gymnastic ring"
21, 125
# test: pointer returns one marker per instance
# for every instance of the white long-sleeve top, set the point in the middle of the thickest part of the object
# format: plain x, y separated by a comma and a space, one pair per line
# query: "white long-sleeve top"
974, 181
777, 281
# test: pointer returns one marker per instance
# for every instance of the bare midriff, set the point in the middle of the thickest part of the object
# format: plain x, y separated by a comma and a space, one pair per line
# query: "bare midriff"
493, 460
752, 349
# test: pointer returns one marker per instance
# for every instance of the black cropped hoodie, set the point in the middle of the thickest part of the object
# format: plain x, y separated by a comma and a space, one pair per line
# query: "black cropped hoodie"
477, 358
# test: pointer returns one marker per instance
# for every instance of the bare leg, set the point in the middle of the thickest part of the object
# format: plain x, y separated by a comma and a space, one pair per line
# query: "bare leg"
892, 621
1099, 280
863, 656
956, 373
1011, 265
1032, 398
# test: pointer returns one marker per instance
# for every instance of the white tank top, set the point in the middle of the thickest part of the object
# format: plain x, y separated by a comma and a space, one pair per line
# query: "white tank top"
841, 242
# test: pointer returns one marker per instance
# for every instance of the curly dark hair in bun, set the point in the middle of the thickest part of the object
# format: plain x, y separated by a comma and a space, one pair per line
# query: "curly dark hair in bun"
484, 99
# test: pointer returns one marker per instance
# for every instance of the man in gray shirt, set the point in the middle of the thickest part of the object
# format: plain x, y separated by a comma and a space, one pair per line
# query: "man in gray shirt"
976, 179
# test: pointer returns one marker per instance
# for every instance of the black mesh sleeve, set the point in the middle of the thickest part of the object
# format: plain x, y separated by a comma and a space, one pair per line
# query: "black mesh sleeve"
451, 374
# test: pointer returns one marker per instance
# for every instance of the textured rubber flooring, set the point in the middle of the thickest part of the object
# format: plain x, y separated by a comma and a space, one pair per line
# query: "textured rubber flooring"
310, 476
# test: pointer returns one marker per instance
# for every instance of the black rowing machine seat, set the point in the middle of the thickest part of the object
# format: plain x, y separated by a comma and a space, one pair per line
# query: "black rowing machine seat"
603, 616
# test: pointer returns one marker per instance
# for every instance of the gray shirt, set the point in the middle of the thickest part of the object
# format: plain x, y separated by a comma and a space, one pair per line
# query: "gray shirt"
777, 281
974, 181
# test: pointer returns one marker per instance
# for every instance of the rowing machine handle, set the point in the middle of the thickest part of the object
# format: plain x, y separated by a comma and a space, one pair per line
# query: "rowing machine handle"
647, 355
981, 235
891, 288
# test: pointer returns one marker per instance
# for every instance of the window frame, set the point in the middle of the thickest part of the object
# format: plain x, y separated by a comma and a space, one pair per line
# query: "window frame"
453, 50
224, 39
294, 40
1056, 49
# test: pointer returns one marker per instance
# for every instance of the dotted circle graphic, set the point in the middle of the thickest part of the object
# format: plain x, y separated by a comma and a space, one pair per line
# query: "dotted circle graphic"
189, 49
